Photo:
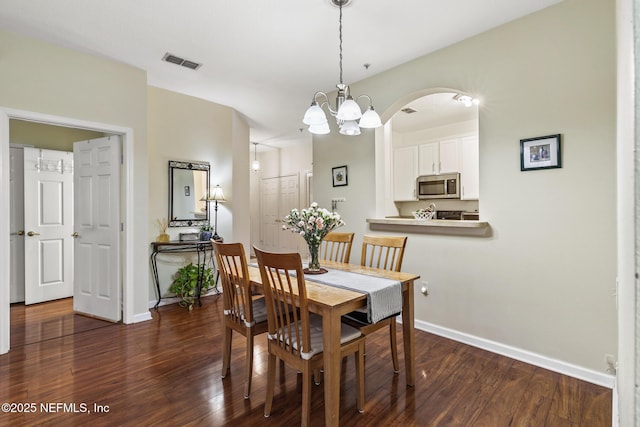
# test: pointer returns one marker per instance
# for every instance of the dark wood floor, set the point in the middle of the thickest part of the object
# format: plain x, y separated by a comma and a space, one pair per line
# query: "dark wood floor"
167, 372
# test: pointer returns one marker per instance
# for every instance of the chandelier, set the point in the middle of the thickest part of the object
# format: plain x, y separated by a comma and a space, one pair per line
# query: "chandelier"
347, 112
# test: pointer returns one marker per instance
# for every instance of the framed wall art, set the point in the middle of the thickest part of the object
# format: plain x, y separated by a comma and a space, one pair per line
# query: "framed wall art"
339, 175
542, 152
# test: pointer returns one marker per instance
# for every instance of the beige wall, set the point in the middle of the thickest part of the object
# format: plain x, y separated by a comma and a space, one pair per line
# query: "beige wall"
543, 282
52, 80
190, 129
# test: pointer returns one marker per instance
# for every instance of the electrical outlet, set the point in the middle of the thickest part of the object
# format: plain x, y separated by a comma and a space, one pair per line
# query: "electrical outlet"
610, 362
425, 288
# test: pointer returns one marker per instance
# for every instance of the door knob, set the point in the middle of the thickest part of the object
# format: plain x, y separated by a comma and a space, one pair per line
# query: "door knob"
75, 234
32, 233
20, 232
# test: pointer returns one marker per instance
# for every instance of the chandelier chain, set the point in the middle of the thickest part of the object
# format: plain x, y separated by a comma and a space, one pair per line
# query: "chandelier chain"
340, 37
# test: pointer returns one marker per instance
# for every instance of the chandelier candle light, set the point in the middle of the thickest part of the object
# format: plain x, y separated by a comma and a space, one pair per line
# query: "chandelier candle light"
313, 224
347, 111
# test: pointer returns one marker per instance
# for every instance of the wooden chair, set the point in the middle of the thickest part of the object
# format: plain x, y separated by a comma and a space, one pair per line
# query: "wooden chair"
242, 313
336, 247
295, 335
384, 252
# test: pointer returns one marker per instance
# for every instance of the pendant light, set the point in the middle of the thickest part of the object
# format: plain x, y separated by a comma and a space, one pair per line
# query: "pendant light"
255, 164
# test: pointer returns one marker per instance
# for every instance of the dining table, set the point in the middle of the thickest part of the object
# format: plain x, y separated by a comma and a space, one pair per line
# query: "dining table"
332, 303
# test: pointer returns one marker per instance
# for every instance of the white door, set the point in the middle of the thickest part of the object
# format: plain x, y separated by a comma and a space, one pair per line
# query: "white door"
470, 168
429, 158
48, 224
289, 199
278, 196
96, 290
16, 230
405, 172
450, 156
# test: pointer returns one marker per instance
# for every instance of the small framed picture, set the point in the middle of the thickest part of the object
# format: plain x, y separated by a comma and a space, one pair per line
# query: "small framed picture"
542, 152
339, 174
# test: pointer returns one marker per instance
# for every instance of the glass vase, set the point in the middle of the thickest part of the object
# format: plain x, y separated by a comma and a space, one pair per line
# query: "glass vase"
314, 262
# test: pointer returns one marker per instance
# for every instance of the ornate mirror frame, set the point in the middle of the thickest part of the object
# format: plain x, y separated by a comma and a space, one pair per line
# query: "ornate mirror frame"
188, 191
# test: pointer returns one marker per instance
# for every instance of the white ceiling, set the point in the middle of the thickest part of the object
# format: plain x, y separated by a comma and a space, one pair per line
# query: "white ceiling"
261, 57
438, 109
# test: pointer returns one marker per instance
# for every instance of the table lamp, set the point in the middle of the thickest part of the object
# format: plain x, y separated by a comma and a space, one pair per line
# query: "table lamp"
216, 196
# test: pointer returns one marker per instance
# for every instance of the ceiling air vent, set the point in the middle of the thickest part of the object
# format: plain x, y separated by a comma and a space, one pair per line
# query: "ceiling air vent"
409, 110
168, 57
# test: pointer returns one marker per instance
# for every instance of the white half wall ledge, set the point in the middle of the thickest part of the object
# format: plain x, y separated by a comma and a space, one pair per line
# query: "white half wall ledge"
561, 367
434, 226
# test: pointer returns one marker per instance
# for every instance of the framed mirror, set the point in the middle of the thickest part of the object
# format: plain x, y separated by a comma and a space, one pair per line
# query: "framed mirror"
188, 190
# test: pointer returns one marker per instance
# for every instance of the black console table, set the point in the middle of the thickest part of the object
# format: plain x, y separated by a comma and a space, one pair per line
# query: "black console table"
194, 246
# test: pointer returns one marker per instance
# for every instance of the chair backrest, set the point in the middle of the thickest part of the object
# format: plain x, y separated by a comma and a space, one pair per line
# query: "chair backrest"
236, 286
336, 246
286, 298
385, 252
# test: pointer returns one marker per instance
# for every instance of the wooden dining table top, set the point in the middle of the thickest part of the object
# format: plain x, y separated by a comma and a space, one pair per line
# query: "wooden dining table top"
321, 293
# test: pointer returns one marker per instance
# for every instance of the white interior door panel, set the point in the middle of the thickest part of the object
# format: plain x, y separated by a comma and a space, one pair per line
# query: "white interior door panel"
48, 221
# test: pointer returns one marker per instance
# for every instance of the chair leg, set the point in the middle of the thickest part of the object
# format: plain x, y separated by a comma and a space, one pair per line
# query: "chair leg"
394, 345
248, 367
306, 397
359, 359
271, 383
316, 376
226, 351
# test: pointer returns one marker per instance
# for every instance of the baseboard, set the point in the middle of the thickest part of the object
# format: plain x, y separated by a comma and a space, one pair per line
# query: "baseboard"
141, 317
599, 378
163, 301
174, 300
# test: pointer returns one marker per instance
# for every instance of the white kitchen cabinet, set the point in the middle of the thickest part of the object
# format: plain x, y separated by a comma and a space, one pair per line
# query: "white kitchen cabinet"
470, 171
450, 155
429, 158
439, 157
405, 172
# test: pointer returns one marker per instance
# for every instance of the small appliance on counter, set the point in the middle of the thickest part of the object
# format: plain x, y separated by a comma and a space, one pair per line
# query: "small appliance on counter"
470, 216
457, 215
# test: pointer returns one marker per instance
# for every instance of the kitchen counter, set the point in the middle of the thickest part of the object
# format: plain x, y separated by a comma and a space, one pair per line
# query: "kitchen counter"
433, 226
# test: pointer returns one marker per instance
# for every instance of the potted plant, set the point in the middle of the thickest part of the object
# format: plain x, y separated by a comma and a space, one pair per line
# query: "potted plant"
185, 283
206, 231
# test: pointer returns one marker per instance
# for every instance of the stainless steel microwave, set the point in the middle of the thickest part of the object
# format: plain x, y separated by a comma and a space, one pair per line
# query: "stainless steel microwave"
443, 186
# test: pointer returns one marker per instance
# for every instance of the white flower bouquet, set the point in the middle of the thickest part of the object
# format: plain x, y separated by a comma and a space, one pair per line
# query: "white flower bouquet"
312, 223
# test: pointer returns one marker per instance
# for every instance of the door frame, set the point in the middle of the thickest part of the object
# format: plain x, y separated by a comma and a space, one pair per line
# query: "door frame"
126, 195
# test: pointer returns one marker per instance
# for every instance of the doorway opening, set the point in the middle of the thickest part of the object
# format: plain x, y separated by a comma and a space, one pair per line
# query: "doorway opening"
125, 237
41, 204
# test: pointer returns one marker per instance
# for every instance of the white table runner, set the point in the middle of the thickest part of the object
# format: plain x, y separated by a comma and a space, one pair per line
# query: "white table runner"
384, 296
